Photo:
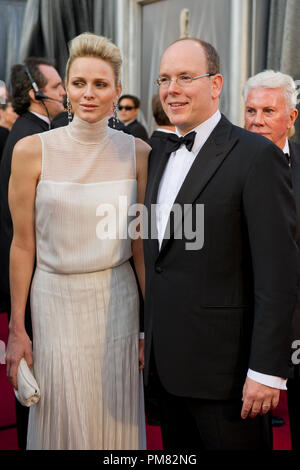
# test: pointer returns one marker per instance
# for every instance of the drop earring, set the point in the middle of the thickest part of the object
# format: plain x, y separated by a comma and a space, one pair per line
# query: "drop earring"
115, 115
69, 108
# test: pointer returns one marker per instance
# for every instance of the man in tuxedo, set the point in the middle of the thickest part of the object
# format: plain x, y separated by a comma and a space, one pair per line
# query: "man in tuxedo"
270, 110
35, 117
222, 271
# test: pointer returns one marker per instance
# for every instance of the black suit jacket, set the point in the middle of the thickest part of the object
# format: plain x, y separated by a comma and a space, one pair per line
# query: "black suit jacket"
295, 167
27, 124
118, 125
212, 313
157, 136
60, 120
3, 137
136, 129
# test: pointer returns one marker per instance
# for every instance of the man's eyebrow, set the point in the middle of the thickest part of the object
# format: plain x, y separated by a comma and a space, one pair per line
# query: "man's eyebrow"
178, 74
57, 84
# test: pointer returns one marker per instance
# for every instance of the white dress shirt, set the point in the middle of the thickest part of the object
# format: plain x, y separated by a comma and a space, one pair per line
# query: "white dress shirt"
286, 148
173, 177
176, 170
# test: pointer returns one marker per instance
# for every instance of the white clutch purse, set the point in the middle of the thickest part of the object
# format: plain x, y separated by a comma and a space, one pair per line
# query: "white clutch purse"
28, 392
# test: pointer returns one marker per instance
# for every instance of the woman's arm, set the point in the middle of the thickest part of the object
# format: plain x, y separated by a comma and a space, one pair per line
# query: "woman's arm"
25, 173
142, 152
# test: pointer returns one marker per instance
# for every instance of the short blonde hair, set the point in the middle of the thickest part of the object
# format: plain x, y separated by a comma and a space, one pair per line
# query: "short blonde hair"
92, 45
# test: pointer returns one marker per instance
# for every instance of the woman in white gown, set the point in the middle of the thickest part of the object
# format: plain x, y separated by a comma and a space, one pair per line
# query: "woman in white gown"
69, 193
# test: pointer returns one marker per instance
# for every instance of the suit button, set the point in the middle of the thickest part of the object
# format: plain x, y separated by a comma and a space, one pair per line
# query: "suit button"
159, 269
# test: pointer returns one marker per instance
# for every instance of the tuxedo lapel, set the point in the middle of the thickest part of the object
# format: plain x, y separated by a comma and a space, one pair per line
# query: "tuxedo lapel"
206, 163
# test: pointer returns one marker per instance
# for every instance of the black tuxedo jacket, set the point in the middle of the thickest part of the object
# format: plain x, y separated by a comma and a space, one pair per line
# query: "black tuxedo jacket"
27, 124
212, 313
157, 136
295, 167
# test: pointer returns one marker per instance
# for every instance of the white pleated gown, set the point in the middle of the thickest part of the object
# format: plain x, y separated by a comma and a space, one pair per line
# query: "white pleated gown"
84, 299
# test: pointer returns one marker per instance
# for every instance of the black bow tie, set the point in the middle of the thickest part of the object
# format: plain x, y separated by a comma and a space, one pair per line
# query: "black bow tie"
174, 142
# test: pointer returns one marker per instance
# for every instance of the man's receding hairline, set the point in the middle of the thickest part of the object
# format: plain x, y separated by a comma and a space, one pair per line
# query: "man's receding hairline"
184, 41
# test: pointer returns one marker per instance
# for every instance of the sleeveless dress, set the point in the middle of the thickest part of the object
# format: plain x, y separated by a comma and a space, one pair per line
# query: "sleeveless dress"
84, 298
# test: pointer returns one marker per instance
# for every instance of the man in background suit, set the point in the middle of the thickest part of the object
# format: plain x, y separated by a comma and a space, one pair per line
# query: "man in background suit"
35, 116
7, 119
129, 106
270, 110
222, 273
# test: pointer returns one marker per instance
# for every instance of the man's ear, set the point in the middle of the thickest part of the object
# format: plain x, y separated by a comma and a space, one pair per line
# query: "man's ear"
217, 83
32, 97
293, 114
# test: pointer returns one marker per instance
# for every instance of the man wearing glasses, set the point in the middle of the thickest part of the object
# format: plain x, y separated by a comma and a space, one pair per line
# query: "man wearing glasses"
129, 107
217, 315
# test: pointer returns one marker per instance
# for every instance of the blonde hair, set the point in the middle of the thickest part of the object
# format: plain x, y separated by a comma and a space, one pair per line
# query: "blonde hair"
92, 45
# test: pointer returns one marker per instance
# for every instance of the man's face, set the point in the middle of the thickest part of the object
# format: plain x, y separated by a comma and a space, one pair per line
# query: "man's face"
266, 113
190, 105
53, 89
127, 110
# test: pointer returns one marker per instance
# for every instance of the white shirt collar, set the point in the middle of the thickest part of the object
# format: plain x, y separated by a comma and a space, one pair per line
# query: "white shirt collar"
203, 131
41, 116
286, 148
167, 131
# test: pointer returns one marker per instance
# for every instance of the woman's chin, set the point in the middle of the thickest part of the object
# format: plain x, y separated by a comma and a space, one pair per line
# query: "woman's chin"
90, 116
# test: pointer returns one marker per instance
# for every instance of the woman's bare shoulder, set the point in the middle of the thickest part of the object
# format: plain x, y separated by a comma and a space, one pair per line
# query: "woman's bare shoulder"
29, 144
27, 155
142, 147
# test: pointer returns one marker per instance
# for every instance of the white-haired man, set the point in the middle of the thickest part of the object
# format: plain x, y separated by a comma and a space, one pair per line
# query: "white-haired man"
270, 110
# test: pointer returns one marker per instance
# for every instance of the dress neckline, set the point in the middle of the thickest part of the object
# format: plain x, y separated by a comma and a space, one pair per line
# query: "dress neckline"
86, 132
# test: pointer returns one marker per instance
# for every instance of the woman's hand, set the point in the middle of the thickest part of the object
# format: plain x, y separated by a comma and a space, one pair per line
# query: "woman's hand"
141, 354
18, 346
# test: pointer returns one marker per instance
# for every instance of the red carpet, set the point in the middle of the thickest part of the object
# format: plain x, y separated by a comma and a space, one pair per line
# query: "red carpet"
8, 434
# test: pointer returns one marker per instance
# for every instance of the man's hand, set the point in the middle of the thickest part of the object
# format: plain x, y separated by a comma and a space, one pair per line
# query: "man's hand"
258, 398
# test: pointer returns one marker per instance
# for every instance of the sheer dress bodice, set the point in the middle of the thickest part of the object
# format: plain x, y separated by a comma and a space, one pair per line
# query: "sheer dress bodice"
88, 173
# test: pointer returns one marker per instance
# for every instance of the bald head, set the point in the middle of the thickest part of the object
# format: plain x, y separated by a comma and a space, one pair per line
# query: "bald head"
191, 102
212, 57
